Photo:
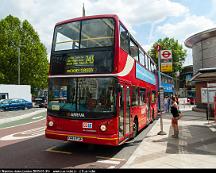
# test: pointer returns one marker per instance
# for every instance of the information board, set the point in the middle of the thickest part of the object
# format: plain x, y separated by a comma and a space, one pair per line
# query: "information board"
208, 94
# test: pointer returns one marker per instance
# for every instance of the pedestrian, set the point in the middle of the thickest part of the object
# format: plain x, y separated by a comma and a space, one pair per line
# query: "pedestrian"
177, 100
176, 116
169, 101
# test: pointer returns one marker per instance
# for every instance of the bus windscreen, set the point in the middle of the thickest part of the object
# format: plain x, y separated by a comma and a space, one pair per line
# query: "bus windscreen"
82, 95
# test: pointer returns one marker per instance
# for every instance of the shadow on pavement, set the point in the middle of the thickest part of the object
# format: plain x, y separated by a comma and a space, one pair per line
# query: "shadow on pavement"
193, 139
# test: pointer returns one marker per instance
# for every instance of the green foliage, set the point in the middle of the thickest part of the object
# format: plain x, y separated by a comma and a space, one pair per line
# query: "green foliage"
33, 55
178, 53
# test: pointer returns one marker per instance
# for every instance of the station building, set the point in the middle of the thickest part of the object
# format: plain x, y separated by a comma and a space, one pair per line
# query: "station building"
203, 46
186, 87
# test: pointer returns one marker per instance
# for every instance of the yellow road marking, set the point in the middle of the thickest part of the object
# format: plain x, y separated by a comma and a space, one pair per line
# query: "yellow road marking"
51, 149
110, 158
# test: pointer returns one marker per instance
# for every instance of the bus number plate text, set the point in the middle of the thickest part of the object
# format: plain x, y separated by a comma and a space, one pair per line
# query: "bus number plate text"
75, 138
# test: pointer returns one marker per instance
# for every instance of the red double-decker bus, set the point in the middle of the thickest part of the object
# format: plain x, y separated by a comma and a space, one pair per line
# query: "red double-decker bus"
102, 85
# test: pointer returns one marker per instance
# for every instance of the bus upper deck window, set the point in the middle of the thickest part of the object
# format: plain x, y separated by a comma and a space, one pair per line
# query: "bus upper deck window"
124, 39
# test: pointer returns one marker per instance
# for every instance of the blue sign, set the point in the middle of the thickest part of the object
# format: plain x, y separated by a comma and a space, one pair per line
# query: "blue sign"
168, 88
145, 75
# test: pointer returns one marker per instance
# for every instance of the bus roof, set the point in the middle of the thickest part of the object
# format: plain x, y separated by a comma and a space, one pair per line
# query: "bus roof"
89, 17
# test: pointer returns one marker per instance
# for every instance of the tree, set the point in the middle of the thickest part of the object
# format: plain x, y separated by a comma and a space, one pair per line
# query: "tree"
33, 55
178, 53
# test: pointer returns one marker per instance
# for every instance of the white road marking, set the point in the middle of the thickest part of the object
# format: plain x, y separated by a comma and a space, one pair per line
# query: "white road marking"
35, 118
109, 162
6, 120
24, 135
212, 129
23, 124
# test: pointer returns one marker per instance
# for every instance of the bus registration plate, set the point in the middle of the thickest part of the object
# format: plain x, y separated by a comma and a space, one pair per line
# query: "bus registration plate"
75, 138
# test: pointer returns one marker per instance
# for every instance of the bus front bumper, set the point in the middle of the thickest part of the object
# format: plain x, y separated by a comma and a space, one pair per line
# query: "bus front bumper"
84, 138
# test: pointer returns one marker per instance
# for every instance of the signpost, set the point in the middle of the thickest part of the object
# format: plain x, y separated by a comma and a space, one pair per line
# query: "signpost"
166, 60
161, 92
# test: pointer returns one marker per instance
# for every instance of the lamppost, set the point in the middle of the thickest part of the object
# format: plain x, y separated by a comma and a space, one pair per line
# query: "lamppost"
177, 84
18, 60
18, 49
18, 64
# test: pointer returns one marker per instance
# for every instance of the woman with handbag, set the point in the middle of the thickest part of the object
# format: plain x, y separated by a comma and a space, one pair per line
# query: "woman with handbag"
176, 116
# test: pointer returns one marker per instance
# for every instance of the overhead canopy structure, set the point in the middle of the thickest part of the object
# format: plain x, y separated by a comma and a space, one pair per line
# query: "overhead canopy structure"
189, 42
205, 75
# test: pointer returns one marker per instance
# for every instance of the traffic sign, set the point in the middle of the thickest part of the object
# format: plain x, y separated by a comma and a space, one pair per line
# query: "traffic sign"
166, 54
166, 61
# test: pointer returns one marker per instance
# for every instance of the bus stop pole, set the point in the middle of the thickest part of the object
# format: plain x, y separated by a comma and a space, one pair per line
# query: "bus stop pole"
161, 93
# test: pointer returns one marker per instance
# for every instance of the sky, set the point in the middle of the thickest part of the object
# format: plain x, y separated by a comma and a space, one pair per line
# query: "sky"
147, 20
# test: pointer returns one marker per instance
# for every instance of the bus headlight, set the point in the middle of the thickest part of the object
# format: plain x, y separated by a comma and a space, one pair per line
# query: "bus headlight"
103, 128
51, 123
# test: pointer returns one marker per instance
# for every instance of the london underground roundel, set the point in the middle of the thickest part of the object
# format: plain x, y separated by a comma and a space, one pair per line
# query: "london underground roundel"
166, 54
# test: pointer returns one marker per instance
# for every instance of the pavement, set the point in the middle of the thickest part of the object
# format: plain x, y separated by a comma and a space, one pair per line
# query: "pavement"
195, 148
10, 116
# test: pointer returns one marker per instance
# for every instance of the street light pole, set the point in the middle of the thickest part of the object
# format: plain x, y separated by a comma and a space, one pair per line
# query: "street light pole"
18, 48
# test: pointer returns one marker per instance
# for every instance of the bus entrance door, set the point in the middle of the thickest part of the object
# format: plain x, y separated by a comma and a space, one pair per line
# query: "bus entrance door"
128, 110
124, 112
121, 113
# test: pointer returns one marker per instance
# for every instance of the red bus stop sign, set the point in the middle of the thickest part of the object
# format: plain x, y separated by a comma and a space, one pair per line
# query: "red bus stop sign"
166, 54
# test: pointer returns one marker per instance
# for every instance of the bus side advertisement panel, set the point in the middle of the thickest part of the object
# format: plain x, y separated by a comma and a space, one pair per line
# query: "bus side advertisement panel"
144, 75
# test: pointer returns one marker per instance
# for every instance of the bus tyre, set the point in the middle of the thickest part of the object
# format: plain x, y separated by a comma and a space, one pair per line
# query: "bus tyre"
135, 127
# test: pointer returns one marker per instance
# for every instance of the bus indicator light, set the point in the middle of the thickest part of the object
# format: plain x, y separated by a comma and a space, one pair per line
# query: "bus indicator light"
51, 123
103, 128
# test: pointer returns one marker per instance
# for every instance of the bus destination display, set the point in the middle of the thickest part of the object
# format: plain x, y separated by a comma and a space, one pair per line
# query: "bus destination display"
80, 64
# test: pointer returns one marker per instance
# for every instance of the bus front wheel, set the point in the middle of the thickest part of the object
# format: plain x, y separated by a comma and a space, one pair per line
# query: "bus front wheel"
135, 127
